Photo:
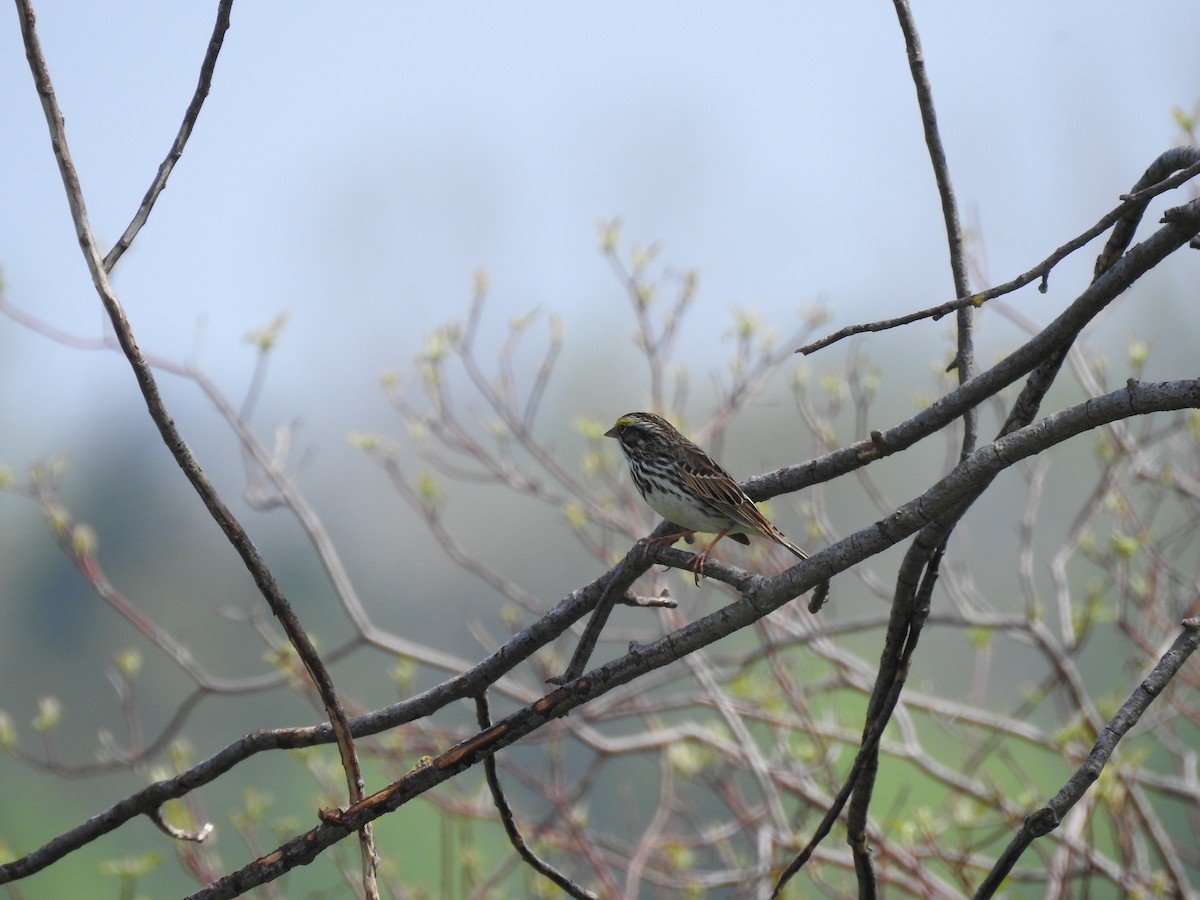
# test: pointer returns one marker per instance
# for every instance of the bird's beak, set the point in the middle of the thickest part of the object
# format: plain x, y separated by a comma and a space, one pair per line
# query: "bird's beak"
612, 432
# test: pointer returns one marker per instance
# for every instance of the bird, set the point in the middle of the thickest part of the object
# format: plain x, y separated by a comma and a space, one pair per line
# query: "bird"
684, 485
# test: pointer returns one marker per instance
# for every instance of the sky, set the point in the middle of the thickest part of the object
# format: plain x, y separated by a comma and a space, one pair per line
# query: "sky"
356, 168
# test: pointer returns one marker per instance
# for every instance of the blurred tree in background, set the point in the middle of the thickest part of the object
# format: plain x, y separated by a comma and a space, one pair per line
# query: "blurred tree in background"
1004, 602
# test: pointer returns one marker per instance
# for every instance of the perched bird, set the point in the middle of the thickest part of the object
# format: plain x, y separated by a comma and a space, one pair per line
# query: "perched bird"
683, 484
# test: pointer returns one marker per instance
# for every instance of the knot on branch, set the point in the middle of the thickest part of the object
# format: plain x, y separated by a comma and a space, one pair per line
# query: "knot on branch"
1042, 822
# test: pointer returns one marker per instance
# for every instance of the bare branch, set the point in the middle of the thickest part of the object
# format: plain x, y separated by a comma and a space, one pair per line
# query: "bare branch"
1182, 226
1039, 272
509, 821
750, 738
144, 375
185, 130
1049, 816
761, 595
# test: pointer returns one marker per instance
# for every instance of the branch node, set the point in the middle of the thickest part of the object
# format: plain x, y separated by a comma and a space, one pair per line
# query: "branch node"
331, 815
819, 595
1042, 822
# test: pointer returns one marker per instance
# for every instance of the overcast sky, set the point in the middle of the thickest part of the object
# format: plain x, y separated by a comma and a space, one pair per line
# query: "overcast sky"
356, 168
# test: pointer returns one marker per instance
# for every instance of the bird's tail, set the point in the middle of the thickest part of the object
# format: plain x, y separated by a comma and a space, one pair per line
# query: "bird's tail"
782, 538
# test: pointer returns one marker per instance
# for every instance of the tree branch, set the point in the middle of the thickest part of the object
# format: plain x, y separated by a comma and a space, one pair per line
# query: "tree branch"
1182, 224
483, 716
183, 455
185, 130
1049, 816
1039, 272
760, 596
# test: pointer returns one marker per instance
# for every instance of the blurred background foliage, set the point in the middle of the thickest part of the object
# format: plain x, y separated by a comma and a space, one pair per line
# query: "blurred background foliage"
358, 170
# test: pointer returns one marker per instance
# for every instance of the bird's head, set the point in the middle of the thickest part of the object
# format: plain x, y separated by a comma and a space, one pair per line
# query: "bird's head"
636, 428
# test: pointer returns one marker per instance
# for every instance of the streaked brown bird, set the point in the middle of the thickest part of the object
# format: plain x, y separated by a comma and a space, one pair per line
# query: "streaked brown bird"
684, 485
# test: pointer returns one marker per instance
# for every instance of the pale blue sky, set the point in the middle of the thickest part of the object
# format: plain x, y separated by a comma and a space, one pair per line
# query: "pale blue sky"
355, 168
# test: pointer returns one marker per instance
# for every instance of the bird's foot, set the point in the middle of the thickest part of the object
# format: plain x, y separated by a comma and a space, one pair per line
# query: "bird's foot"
696, 566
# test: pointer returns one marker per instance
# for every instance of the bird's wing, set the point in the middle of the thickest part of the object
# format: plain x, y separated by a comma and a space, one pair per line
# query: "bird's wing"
707, 479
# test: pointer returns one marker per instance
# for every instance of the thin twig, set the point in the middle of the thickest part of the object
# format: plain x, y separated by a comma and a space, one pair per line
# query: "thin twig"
183, 455
1049, 816
876, 724
616, 586
1039, 272
339, 578
1042, 378
185, 130
483, 717
910, 605
762, 596
964, 361
1183, 225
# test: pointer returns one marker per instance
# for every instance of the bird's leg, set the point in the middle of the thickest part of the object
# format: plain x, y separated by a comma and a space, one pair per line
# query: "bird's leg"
667, 539
698, 561
696, 566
